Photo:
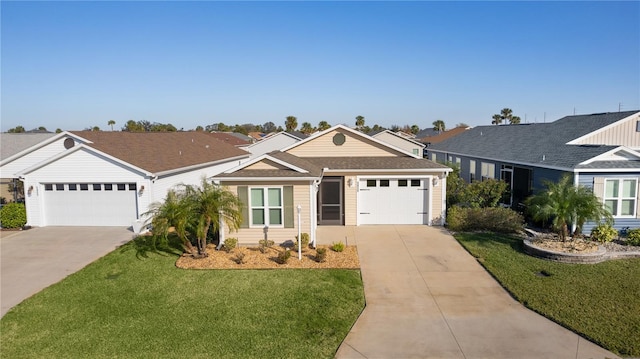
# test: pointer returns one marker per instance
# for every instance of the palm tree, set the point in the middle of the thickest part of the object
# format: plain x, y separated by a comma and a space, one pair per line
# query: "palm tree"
306, 128
514, 120
193, 211
497, 119
565, 203
291, 123
359, 122
111, 123
438, 125
323, 125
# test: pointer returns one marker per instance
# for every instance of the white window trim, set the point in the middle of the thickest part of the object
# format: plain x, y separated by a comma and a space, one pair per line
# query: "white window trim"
265, 198
620, 198
487, 166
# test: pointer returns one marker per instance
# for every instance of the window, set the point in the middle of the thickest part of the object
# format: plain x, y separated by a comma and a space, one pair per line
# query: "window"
458, 161
132, 187
402, 183
416, 151
472, 171
73, 187
84, 187
371, 183
384, 183
108, 187
415, 183
488, 170
59, 187
97, 186
433, 157
48, 187
620, 197
266, 206
121, 187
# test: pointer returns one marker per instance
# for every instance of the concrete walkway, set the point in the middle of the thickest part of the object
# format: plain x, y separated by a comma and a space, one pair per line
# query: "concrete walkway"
34, 259
428, 298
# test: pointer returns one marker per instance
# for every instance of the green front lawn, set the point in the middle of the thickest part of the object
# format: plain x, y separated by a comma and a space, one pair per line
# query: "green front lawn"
130, 306
599, 301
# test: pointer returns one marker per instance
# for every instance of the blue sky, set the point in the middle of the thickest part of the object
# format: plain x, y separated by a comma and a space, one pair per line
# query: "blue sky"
73, 65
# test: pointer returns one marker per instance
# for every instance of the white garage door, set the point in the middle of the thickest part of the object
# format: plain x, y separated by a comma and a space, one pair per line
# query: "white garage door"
393, 201
90, 204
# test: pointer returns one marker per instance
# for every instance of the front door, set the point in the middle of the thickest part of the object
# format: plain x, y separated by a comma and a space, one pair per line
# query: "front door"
331, 209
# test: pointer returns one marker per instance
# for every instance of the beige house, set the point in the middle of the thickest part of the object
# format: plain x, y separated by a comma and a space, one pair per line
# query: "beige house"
337, 177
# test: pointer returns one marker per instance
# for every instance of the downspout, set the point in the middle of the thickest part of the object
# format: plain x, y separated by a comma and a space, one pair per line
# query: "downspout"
314, 207
574, 218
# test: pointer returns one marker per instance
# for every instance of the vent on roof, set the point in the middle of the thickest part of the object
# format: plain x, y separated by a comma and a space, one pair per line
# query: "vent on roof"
68, 143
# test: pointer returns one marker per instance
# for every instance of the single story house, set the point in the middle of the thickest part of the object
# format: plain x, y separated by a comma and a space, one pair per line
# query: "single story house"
109, 178
600, 151
336, 177
271, 143
398, 140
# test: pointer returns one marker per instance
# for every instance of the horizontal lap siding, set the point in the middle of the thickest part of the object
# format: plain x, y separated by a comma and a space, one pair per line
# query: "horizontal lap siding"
624, 134
35, 157
587, 180
437, 212
323, 146
399, 142
301, 191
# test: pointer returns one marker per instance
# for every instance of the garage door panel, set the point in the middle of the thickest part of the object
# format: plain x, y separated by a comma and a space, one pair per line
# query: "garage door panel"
93, 206
401, 202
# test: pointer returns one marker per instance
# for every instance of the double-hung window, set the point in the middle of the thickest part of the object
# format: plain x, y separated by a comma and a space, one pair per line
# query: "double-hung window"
266, 206
620, 197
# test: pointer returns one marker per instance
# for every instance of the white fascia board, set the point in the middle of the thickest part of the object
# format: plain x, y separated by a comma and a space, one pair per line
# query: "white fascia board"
270, 158
405, 170
354, 132
200, 165
539, 165
40, 145
607, 170
577, 140
602, 156
78, 148
263, 179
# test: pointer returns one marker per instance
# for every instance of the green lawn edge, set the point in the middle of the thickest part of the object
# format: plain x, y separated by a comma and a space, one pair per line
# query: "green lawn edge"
600, 302
133, 304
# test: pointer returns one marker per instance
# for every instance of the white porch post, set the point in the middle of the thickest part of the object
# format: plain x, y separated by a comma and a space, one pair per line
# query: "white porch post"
221, 233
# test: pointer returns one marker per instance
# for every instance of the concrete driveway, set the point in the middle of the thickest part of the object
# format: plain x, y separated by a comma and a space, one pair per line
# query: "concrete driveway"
428, 298
34, 259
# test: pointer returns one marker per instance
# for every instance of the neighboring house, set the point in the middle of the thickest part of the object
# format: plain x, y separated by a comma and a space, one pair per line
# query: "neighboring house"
427, 132
338, 177
111, 178
11, 144
272, 143
428, 141
231, 139
398, 139
599, 150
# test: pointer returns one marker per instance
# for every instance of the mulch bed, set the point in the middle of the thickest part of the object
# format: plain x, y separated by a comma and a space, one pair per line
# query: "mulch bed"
254, 259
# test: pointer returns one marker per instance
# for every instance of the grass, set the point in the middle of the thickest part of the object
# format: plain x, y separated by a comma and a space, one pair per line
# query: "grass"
137, 304
599, 301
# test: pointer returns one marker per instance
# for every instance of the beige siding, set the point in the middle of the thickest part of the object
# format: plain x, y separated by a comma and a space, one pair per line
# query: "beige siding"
251, 236
353, 146
401, 143
436, 202
266, 165
624, 134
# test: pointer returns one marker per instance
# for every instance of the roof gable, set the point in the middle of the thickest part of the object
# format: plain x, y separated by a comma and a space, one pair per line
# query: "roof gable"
383, 134
355, 144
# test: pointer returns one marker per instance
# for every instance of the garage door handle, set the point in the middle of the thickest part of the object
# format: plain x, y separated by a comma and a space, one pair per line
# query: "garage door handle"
423, 212
365, 213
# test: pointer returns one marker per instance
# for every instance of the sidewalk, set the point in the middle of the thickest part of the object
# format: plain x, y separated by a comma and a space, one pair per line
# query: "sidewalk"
428, 298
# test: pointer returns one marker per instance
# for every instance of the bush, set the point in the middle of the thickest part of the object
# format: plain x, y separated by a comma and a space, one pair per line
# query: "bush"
230, 244
494, 219
337, 247
633, 237
239, 258
321, 255
305, 242
264, 244
13, 215
603, 233
284, 256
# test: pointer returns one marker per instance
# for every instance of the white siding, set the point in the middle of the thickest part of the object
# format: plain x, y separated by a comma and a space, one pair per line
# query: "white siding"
398, 142
273, 143
9, 170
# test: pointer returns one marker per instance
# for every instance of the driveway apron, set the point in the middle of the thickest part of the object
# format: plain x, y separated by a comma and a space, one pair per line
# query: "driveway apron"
428, 298
34, 259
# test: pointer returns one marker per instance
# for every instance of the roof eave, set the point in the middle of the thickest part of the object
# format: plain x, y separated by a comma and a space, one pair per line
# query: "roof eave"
200, 165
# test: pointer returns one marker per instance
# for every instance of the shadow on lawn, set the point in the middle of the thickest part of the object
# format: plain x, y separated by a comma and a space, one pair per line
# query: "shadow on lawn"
145, 244
488, 240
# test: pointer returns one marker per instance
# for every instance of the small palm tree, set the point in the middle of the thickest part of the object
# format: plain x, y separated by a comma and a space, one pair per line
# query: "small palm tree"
291, 123
438, 125
193, 211
497, 119
323, 125
359, 122
111, 123
564, 203
307, 128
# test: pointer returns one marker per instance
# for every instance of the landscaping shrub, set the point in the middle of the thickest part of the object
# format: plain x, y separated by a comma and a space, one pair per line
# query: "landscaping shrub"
230, 244
239, 258
305, 241
264, 244
337, 247
633, 237
495, 219
603, 233
13, 215
321, 255
283, 257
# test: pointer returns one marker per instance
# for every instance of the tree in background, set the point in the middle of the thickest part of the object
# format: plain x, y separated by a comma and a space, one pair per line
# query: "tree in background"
58, 130
359, 122
133, 126
199, 128
95, 128
462, 124
506, 114
307, 128
269, 127
111, 123
323, 125
439, 126
240, 129
291, 123
395, 128
377, 127
415, 129
17, 129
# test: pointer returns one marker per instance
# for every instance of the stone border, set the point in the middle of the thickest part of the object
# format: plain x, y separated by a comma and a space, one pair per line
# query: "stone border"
588, 258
